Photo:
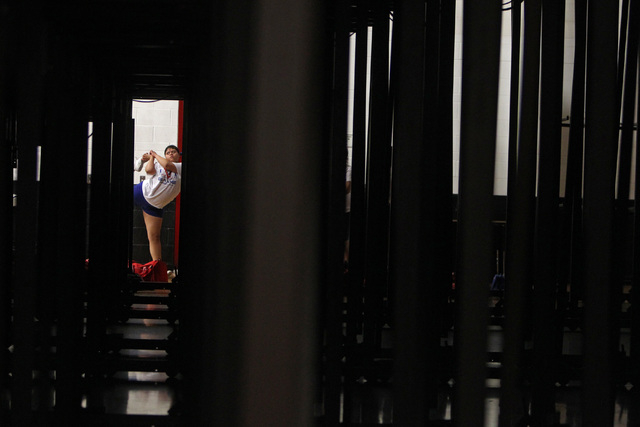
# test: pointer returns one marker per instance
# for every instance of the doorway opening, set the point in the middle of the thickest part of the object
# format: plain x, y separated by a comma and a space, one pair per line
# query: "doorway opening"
157, 124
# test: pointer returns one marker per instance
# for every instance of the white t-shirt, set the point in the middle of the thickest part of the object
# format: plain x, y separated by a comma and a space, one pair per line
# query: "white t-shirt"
160, 189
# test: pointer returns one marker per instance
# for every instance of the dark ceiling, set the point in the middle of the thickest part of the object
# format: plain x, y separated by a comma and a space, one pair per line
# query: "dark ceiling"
147, 47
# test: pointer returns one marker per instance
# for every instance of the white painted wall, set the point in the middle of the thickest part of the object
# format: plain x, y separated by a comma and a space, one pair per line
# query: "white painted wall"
502, 136
156, 126
157, 122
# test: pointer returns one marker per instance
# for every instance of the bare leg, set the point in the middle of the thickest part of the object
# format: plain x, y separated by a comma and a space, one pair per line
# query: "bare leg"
154, 226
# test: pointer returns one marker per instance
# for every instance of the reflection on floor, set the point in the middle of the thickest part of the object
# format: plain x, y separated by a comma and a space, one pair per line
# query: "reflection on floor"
139, 392
149, 393
373, 404
150, 390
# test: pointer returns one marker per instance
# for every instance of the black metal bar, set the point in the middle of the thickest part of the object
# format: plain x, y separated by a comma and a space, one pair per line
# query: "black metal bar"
514, 94
251, 289
358, 168
126, 177
628, 103
571, 256
7, 141
440, 240
102, 289
521, 223
48, 214
444, 257
121, 183
436, 220
336, 154
623, 240
210, 357
634, 417
378, 180
29, 114
545, 329
64, 236
69, 129
623, 31
23, 332
407, 242
601, 132
357, 223
280, 270
480, 68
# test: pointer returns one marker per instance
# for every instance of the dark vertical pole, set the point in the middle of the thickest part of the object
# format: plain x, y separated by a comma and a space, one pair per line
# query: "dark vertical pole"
520, 224
101, 278
602, 123
209, 356
445, 134
282, 270
357, 233
7, 142
623, 38
407, 256
445, 113
357, 249
176, 238
444, 262
218, 108
126, 178
436, 219
48, 222
576, 147
628, 103
66, 141
69, 130
545, 329
480, 67
359, 149
122, 186
121, 183
378, 179
570, 261
623, 239
514, 99
251, 333
336, 154
29, 100
99, 215
120, 191
634, 417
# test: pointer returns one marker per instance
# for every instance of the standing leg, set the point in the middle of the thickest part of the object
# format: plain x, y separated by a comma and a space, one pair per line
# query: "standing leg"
154, 226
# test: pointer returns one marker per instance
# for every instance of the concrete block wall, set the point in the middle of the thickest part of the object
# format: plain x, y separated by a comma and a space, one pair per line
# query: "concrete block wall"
156, 126
502, 136
140, 252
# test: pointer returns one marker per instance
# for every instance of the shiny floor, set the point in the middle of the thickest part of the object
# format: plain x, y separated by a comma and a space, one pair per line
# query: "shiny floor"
151, 393
145, 400
373, 405
144, 392
146, 396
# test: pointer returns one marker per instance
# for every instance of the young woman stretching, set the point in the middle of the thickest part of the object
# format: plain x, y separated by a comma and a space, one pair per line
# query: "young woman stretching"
160, 187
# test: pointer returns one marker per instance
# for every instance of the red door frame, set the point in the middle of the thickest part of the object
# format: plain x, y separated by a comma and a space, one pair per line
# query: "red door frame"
176, 245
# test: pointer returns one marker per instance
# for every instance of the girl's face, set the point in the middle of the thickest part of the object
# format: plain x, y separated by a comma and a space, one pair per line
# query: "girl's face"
172, 155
